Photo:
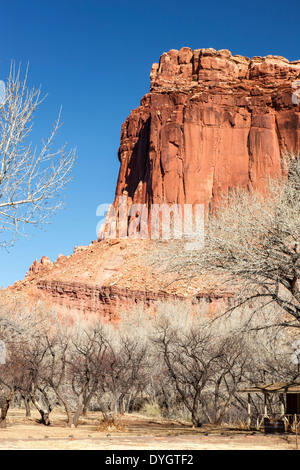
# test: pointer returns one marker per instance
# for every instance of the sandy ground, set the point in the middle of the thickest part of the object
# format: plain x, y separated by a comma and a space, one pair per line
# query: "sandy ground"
136, 433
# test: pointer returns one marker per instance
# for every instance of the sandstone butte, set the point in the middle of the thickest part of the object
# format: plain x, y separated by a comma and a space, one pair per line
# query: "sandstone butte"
210, 122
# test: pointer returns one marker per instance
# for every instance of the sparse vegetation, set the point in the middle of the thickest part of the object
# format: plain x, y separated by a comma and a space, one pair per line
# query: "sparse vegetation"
151, 410
252, 246
173, 365
177, 362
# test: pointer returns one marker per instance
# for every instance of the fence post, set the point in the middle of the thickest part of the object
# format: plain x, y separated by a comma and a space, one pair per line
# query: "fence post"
296, 431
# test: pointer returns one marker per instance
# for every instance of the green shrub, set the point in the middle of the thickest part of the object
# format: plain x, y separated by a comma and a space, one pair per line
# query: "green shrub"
152, 410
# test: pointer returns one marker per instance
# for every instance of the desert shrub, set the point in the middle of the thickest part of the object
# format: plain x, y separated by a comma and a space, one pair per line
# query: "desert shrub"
110, 422
151, 409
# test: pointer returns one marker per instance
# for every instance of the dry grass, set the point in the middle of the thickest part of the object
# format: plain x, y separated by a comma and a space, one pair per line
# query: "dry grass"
129, 432
111, 422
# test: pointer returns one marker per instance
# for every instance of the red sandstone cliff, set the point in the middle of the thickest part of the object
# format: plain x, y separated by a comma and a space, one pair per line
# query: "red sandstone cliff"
211, 121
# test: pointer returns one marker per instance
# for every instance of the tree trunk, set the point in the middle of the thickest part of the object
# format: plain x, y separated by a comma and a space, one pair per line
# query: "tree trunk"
78, 411
4, 410
195, 418
27, 406
44, 413
66, 406
121, 405
86, 401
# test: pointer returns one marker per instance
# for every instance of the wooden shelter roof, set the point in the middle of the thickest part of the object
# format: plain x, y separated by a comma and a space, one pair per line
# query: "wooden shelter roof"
278, 387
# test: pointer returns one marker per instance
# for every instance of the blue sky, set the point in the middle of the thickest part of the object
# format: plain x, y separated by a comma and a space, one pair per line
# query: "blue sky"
93, 58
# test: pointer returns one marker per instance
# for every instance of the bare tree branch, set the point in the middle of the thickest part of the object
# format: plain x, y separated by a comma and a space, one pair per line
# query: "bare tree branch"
31, 180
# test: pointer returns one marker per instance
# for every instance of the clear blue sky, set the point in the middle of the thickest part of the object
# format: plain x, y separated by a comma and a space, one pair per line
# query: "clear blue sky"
94, 57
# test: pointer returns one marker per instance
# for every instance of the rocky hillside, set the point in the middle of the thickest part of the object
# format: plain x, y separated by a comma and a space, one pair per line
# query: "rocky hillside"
211, 121
108, 278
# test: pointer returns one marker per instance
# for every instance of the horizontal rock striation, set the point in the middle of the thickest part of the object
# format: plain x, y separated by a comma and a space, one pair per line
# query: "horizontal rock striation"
110, 278
111, 302
107, 301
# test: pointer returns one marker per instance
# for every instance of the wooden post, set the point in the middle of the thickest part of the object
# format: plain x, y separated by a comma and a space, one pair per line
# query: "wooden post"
296, 431
282, 405
265, 406
249, 410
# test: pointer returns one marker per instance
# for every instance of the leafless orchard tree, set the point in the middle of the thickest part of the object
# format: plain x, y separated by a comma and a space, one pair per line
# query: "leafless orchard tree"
228, 374
252, 246
20, 332
13, 375
128, 370
56, 373
186, 347
146, 380
77, 364
31, 179
89, 365
36, 389
17, 376
180, 360
201, 363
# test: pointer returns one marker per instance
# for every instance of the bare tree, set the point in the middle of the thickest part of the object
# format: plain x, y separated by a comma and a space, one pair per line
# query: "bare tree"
189, 358
31, 180
76, 366
252, 246
58, 346
229, 372
21, 332
201, 363
37, 390
127, 373
88, 365
14, 377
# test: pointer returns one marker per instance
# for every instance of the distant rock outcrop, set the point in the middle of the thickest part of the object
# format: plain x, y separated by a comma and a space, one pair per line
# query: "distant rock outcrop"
38, 266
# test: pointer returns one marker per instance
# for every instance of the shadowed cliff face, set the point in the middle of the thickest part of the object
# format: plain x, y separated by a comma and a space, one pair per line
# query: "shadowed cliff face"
211, 121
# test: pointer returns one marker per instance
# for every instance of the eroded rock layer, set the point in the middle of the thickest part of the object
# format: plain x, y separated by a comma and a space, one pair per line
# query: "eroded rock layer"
109, 278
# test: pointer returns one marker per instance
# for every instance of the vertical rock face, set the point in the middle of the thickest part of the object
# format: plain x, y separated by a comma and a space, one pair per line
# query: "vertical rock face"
211, 121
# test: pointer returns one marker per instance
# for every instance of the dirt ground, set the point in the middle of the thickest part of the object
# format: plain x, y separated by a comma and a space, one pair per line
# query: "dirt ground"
135, 432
